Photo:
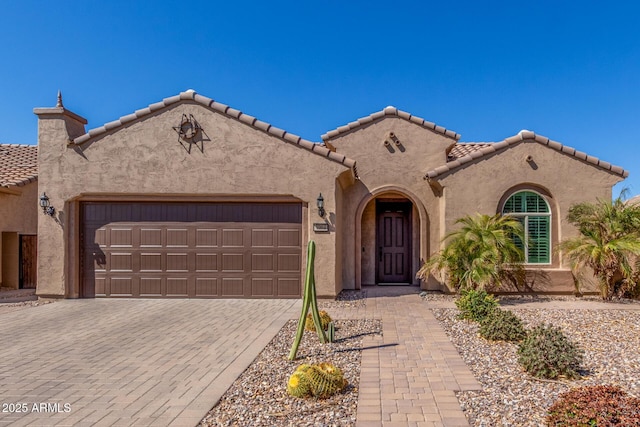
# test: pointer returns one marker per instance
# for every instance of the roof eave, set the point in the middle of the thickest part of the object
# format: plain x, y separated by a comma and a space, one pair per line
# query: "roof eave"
192, 96
522, 137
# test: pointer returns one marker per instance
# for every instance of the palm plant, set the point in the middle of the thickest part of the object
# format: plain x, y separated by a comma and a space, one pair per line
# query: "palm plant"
482, 253
609, 243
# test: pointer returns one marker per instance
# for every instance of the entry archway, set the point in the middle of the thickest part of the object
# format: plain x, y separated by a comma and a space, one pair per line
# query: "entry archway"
370, 223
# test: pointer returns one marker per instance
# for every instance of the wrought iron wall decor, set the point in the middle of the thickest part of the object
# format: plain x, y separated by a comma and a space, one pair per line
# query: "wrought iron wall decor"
189, 131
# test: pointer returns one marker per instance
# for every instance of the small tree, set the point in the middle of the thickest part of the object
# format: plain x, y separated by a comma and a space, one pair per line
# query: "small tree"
482, 253
609, 243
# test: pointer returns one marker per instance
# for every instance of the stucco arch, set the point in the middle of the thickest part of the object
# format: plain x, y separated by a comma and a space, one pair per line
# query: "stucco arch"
556, 220
423, 224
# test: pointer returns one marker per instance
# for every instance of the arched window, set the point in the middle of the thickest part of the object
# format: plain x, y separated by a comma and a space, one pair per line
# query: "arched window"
533, 212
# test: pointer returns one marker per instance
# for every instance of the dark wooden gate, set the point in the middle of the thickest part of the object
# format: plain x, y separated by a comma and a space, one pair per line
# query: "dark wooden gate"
28, 261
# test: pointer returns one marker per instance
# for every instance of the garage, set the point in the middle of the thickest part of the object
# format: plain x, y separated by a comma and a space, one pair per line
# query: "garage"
191, 250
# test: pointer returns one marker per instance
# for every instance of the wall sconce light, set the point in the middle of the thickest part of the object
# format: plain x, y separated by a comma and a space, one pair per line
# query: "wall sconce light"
320, 204
47, 209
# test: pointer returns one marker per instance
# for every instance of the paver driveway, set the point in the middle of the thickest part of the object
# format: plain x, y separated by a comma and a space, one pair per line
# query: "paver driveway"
129, 362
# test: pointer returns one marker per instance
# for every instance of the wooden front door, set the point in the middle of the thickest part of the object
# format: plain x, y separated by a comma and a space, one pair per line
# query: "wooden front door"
28, 262
393, 241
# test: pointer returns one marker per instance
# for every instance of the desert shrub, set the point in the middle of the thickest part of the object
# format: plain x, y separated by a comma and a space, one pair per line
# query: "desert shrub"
475, 305
319, 380
502, 325
547, 353
325, 319
600, 405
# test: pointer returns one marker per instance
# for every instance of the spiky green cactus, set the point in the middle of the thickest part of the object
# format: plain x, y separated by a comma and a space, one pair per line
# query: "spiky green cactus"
298, 386
309, 300
320, 380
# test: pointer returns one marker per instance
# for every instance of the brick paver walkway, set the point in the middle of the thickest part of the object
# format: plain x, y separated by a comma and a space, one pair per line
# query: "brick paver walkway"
129, 362
409, 375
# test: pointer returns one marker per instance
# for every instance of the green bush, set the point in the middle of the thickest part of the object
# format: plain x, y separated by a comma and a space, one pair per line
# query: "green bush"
502, 325
600, 405
547, 353
475, 305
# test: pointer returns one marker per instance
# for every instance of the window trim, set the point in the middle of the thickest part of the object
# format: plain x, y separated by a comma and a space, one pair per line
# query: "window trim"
525, 215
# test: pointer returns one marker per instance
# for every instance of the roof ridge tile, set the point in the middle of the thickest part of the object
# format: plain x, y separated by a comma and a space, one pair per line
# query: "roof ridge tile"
389, 111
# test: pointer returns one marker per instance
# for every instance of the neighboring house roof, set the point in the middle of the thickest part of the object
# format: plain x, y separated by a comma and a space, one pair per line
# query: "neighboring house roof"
389, 111
18, 164
191, 95
478, 150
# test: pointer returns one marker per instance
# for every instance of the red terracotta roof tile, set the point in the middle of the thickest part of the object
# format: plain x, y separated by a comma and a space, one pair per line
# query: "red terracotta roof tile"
18, 164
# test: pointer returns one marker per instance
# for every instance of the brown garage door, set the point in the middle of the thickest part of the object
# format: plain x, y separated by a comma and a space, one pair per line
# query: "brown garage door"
207, 250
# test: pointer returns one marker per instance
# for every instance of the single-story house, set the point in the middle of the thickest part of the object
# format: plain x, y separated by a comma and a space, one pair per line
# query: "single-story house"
18, 215
189, 197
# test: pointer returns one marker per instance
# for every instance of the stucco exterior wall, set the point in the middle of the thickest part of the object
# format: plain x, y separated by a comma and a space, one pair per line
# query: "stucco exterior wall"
561, 179
394, 170
145, 159
18, 215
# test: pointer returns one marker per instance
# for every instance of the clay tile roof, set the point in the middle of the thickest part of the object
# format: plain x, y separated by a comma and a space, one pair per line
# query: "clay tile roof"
18, 164
389, 111
192, 96
462, 149
471, 151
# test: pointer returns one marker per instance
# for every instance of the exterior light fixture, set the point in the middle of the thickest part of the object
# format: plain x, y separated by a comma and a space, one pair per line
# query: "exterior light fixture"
47, 209
320, 204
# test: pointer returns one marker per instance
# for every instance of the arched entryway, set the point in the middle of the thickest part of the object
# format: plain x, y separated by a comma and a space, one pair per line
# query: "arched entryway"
391, 238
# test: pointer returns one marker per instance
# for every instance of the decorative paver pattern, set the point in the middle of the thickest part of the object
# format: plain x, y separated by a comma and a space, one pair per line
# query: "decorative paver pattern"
409, 376
129, 362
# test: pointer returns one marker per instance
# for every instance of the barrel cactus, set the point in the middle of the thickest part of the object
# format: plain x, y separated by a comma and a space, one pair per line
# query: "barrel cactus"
298, 385
319, 380
325, 319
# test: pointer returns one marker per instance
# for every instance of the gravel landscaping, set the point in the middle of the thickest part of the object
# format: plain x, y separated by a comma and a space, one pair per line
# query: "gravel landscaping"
510, 397
259, 396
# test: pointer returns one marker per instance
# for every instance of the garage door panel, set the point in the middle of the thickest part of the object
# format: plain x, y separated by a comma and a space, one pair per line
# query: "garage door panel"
233, 262
206, 238
150, 237
262, 238
177, 262
288, 263
232, 287
206, 262
288, 287
177, 237
99, 285
288, 237
121, 261
151, 261
100, 237
151, 286
177, 286
206, 286
121, 286
121, 237
263, 262
212, 250
262, 286
233, 238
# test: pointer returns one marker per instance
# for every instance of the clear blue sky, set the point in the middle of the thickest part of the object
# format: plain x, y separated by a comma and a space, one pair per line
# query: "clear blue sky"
568, 70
